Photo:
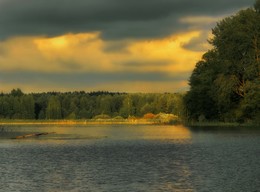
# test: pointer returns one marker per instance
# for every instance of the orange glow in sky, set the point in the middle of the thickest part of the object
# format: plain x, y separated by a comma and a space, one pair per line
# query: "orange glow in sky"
129, 46
86, 52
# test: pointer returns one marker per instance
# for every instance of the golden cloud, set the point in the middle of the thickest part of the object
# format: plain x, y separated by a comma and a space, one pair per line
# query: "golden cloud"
200, 19
86, 52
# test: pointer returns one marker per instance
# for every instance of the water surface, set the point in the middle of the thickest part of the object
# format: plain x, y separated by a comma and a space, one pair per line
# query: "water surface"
129, 158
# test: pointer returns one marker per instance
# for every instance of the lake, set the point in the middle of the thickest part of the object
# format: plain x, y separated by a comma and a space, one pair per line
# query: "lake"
117, 158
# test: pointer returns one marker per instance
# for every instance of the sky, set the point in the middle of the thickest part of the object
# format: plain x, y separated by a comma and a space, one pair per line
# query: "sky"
105, 45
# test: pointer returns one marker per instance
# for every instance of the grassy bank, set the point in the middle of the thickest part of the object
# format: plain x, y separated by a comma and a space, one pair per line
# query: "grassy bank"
140, 121
79, 122
161, 118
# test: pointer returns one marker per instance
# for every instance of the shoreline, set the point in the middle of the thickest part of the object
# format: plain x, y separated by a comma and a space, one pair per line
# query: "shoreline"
123, 122
81, 122
220, 124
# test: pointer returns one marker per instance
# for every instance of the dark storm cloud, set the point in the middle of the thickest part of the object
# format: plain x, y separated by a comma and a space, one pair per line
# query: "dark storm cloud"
69, 64
116, 46
115, 19
197, 43
138, 63
87, 79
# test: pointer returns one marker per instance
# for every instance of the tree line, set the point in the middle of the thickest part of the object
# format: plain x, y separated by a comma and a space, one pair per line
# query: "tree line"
82, 105
224, 85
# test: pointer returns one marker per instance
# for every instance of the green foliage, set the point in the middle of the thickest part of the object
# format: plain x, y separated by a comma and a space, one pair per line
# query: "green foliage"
81, 105
16, 92
257, 6
225, 83
102, 116
127, 108
53, 110
27, 107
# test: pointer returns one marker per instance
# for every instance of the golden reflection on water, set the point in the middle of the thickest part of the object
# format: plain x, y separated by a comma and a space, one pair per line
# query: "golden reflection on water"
173, 132
73, 135
183, 183
64, 134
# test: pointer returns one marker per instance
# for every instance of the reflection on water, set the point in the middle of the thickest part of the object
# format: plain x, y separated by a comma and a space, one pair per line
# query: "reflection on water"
129, 158
98, 132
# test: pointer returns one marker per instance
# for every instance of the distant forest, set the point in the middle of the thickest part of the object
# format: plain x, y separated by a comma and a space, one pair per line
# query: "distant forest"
82, 105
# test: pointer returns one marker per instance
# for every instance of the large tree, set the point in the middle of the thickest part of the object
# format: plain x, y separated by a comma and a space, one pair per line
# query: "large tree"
225, 83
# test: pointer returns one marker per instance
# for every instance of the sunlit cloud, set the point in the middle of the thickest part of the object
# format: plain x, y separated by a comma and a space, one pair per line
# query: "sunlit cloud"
85, 52
71, 55
129, 46
200, 20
